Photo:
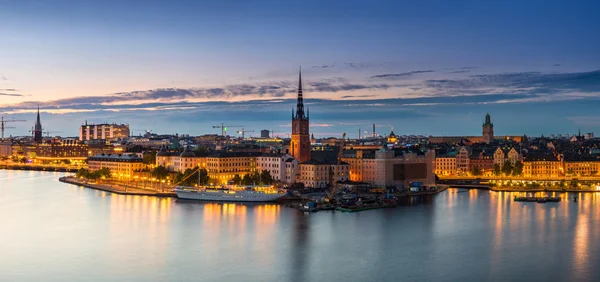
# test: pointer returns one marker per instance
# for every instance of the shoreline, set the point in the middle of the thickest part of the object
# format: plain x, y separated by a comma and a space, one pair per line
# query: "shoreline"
38, 168
542, 190
117, 189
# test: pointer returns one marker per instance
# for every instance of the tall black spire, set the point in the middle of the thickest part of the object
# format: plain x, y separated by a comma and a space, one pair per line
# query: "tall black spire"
37, 130
300, 103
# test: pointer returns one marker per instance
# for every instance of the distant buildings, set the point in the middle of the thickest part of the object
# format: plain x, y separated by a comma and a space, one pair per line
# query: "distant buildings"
264, 133
103, 131
282, 167
487, 136
323, 173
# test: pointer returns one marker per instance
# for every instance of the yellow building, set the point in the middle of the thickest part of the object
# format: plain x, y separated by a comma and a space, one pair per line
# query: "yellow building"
224, 166
445, 165
542, 166
121, 166
320, 174
577, 166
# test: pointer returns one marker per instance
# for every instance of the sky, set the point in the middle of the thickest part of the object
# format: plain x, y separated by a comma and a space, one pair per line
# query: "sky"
419, 67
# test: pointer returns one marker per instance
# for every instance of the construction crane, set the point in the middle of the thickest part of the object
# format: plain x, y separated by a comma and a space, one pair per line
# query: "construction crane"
243, 131
223, 128
3, 122
48, 132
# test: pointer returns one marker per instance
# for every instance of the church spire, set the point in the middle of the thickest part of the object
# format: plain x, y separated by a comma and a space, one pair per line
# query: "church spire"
300, 103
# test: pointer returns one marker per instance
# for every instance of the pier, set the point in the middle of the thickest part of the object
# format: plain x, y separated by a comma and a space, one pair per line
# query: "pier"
116, 188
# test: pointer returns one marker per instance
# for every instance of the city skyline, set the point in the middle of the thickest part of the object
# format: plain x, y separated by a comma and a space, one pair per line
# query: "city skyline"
185, 66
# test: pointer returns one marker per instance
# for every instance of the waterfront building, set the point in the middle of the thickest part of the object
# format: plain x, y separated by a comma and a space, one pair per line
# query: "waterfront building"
6, 149
121, 165
445, 164
322, 173
399, 168
581, 165
482, 160
279, 166
501, 155
37, 129
103, 131
300, 143
462, 159
58, 149
180, 161
223, 166
542, 165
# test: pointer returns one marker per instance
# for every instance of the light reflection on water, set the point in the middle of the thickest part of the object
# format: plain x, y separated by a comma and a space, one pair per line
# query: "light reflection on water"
54, 232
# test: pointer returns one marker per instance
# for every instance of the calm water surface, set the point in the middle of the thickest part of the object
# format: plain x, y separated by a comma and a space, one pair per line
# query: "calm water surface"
52, 231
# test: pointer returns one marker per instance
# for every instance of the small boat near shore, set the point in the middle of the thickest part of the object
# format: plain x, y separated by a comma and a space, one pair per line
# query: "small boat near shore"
537, 199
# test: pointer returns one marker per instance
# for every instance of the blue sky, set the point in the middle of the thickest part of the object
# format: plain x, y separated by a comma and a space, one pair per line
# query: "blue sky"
422, 67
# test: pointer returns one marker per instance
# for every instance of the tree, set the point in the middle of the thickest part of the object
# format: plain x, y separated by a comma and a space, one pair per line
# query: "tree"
237, 180
475, 171
265, 177
160, 172
150, 157
507, 168
23, 160
82, 172
247, 180
518, 169
103, 173
497, 169
574, 183
203, 177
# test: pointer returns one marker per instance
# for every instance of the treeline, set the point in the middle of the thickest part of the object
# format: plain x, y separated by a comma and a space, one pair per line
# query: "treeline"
102, 173
263, 178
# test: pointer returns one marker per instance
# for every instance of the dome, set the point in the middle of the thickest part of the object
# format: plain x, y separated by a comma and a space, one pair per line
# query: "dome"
162, 152
187, 153
392, 134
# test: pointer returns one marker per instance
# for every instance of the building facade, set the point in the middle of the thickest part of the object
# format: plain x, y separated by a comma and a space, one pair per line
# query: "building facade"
542, 166
279, 166
445, 165
322, 174
121, 166
300, 143
103, 131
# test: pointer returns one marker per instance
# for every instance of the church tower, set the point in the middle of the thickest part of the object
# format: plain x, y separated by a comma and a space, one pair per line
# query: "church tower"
37, 130
488, 130
300, 144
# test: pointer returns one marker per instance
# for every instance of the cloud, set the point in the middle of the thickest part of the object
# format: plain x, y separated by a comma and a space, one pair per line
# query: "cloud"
460, 71
324, 66
357, 96
3, 78
9, 89
404, 74
11, 94
556, 65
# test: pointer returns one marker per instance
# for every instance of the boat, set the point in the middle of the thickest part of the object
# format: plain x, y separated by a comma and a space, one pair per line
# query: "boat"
249, 194
537, 199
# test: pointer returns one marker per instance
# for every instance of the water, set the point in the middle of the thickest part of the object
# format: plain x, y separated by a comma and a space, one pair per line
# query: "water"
51, 231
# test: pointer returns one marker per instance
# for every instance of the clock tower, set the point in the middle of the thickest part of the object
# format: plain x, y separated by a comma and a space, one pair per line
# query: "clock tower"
300, 144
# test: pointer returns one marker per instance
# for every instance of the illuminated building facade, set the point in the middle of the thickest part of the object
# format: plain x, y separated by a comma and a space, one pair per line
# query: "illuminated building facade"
122, 166
279, 166
224, 166
66, 149
542, 166
319, 174
103, 131
445, 165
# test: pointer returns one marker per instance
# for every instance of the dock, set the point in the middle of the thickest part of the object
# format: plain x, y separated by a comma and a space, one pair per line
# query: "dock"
117, 189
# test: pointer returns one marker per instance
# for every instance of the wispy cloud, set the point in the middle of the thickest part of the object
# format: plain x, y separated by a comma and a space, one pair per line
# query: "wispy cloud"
11, 94
403, 74
8, 89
